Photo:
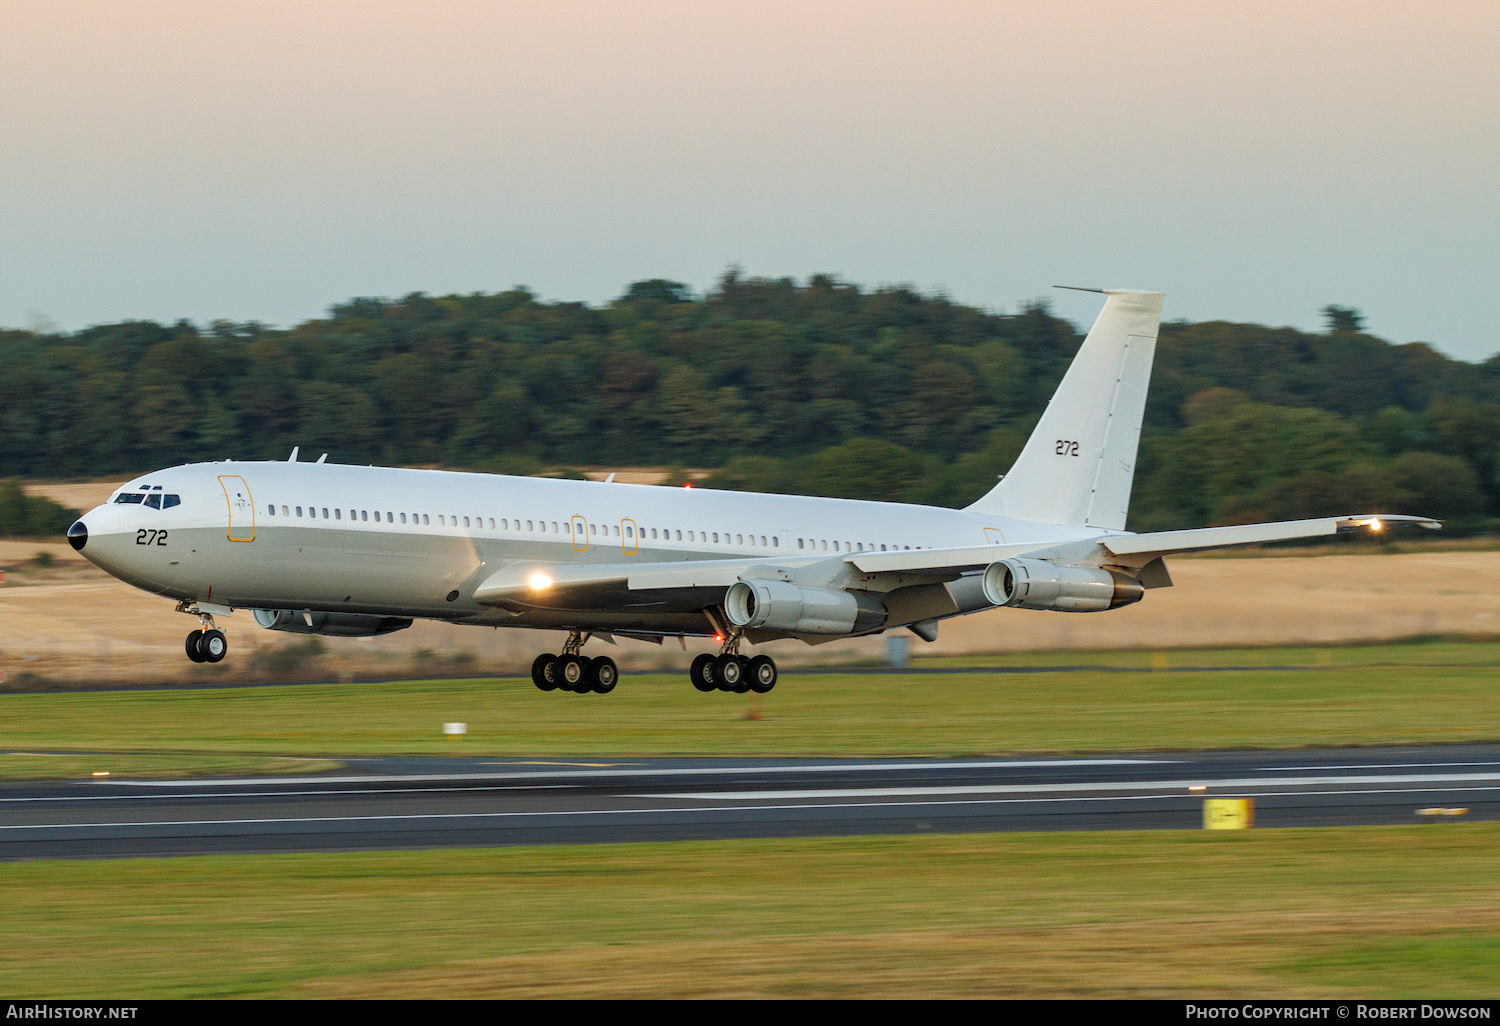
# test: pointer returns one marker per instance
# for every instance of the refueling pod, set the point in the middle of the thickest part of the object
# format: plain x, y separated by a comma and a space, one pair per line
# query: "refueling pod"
338, 625
780, 606
1038, 584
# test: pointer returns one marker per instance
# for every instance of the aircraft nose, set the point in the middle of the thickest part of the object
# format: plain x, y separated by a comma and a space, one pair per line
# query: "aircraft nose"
78, 535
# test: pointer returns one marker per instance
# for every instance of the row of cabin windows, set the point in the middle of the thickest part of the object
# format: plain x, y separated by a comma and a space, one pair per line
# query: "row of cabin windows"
666, 534
813, 543
338, 514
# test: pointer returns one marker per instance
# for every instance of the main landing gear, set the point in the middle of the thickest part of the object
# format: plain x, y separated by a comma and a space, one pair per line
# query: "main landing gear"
727, 671
205, 646
730, 671
574, 672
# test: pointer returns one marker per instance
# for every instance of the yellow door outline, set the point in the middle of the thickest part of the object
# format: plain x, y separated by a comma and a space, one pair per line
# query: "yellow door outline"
580, 532
994, 536
633, 538
240, 503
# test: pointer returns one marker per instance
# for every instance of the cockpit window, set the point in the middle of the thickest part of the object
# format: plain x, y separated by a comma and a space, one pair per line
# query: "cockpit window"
155, 500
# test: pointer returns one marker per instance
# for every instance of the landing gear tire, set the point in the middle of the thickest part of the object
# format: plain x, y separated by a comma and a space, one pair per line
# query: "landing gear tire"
541, 674
569, 673
213, 646
603, 674
192, 646
702, 672
729, 672
762, 674
585, 682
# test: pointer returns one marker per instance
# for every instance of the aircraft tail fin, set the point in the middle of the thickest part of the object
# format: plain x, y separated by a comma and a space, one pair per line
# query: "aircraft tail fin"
1078, 466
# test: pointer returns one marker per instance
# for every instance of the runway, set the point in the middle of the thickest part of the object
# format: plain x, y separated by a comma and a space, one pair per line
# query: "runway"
400, 803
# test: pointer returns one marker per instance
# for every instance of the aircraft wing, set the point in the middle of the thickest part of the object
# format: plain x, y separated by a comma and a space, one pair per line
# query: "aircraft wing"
1162, 543
1133, 549
934, 561
693, 584
537, 583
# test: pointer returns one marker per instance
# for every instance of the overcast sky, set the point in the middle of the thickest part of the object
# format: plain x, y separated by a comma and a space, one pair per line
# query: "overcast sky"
262, 161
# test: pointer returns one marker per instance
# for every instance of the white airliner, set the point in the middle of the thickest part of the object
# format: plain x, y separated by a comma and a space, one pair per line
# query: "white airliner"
318, 548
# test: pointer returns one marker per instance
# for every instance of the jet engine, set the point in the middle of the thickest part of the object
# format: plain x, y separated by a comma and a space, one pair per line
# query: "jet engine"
779, 606
1038, 584
338, 625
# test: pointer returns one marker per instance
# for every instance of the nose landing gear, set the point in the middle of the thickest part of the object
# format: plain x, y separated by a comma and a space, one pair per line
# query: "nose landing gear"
207, 646
204, 646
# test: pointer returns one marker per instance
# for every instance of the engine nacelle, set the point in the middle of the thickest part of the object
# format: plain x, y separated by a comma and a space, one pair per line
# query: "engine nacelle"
338, 625
1038, 584
779, 606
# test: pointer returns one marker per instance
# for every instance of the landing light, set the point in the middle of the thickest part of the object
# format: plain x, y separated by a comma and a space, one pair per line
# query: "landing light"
1375, 525
540, 582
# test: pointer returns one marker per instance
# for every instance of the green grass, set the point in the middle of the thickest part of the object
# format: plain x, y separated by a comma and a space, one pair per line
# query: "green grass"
1458, 962
1375, 912
1440, 691
1436, 651
1371, 912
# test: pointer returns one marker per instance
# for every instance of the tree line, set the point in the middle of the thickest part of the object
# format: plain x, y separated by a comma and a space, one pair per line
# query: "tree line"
818, 386
23, 515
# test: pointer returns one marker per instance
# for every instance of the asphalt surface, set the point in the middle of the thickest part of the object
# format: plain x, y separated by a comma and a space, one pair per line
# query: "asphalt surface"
401, 803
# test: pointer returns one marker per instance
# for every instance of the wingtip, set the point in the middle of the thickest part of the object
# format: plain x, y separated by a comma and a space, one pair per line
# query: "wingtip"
1376, 521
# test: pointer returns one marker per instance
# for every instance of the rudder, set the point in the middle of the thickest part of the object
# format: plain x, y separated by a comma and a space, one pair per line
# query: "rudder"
1078, 465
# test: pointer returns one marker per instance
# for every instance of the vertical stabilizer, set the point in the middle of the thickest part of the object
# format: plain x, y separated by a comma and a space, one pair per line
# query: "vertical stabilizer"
1079, 463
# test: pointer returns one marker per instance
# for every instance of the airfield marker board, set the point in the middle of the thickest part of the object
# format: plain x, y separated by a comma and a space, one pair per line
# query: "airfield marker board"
1228, 813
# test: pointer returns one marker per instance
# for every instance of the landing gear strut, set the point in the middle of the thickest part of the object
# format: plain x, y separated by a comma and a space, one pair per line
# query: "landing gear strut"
204, 646
730, 671
572, 671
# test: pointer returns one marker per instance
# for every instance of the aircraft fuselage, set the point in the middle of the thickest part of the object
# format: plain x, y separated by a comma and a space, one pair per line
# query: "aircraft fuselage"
417, 543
